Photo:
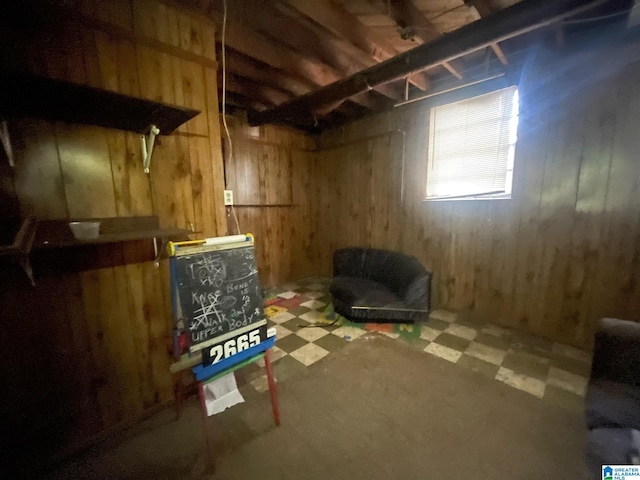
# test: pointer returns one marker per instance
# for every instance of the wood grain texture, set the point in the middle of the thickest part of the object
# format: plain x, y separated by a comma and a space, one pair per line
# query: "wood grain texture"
271, 169
108, 329
553, 259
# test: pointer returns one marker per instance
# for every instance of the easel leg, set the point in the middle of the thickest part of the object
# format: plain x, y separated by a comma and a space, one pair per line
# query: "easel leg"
178, 392
272, 387
207, 440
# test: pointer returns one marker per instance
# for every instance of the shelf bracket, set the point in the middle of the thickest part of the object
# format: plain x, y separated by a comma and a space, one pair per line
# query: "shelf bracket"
25, 263
6, 141
147, 143
157, 251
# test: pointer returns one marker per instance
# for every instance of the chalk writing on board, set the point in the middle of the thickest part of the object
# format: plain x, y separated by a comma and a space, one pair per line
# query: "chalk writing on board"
218, 292
208, 270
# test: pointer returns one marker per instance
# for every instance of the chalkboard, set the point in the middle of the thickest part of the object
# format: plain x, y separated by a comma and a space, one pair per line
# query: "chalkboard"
218, 293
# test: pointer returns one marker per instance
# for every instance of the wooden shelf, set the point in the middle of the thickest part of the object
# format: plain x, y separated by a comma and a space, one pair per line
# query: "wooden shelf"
17, 245
27, 95
57, 234
21, 235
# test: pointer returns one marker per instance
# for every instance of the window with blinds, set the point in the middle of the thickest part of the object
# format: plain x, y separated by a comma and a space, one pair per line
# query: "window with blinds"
472, 147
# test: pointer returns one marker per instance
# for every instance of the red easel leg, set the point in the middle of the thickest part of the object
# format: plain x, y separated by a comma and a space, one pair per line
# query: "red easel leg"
178, 392
272, 387
207, 440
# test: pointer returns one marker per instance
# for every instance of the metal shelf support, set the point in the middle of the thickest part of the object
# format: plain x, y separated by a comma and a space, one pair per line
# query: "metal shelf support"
147, 143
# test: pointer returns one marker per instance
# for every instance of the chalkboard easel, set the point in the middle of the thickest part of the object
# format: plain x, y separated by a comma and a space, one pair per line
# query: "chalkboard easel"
217, 300
219, 320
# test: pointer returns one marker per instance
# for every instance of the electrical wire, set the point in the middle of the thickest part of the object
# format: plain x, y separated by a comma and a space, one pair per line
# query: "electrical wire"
596, 19
233, 210
224, 99
224, 79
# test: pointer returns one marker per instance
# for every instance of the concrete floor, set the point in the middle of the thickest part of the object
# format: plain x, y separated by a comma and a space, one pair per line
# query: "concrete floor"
376, 408
544, 376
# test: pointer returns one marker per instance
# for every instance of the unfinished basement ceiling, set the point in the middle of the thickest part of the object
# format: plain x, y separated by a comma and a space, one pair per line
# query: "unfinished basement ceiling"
278, 51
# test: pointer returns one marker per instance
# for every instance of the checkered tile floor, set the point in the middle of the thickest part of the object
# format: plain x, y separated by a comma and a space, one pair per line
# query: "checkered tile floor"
551, 371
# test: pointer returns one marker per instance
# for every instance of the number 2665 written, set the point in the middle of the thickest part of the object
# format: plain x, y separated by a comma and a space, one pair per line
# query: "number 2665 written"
235, 345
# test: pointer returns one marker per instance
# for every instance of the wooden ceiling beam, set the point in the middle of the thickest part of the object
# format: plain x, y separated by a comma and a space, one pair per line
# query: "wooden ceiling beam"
242, 102
342, 24
361, 60
253, 44
485, 9
255, 89
244, 66
311, 44
499, 53
407, 15
235, 91
520, 18
455, 68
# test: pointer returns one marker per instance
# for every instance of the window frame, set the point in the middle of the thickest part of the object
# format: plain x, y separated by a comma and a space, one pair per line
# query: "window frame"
510, 163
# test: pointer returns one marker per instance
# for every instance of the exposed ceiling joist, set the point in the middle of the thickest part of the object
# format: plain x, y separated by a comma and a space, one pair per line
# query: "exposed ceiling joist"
341, 23
518, 19
244, 66
244, 103
483, 7
255, 89
360, 59
249, 43
265, 50
499, 53
455, 68
310, 44
408, 16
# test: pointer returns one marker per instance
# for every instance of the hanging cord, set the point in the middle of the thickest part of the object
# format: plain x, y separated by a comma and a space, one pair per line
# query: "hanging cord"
224, 80
224, 99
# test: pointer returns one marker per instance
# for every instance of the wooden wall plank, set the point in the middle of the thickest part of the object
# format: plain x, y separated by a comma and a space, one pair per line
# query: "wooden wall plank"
581, 303
271, 170
131, 185
86, 171
550, 261
112, 326
204, 219
38, 174
107, 54
302, 224
171, 183
90, 59
193, 89
208, 40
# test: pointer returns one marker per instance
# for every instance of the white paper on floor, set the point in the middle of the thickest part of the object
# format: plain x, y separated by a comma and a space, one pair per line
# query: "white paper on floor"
221, 394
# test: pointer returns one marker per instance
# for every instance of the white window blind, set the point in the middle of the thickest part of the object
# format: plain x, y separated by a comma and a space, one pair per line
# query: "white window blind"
472, 147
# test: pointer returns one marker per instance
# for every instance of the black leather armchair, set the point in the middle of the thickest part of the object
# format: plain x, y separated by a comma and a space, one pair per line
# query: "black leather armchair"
613, 396
379, 285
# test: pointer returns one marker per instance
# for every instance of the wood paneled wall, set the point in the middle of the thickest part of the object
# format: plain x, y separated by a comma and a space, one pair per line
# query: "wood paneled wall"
84, 352
91, 345
270, 170
564, 251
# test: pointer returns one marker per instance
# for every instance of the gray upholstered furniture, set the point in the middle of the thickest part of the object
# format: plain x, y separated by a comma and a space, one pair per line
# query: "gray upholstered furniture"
613, 396
372, 285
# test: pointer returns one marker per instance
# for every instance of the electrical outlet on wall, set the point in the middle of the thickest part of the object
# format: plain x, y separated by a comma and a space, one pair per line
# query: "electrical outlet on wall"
228, 197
